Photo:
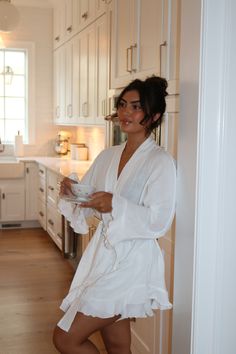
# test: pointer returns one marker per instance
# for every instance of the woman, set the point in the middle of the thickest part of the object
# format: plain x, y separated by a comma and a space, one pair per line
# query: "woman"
121, 274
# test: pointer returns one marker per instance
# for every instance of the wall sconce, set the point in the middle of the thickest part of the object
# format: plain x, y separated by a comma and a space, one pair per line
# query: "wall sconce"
9, 16
8, 73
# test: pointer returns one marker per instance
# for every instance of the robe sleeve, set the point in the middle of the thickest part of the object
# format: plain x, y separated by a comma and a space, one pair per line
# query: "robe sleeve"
72, 212
154, 215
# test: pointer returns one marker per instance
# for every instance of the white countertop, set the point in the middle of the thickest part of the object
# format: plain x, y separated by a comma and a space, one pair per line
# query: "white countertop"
61, 165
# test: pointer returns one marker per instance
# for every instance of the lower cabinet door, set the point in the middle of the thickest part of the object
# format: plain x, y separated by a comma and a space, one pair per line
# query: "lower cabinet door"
13, 202
54, 225
42, 219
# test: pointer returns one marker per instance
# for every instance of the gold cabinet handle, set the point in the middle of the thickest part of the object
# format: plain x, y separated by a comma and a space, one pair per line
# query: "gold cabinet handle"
164, 44
57, 38
59, 235
51, 188
128, 50
57, 112
85, 15
85, 109
50, 222
41, 189
69, 29
69, 110
41, 214
133, 48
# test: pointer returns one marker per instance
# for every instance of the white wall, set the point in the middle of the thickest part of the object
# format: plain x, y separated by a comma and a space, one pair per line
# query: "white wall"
205, 289
36, 26
187, 159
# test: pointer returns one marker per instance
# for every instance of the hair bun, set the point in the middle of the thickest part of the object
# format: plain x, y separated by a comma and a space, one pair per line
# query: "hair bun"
157, 82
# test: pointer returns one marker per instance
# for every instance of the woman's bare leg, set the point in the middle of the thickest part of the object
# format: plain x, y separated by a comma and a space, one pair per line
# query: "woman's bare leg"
117, 337
76, 341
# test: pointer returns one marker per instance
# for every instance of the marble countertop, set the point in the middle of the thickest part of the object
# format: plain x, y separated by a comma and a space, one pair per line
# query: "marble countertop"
61, 165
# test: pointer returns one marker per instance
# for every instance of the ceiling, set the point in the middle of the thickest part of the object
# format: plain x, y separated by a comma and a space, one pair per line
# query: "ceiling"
34, 3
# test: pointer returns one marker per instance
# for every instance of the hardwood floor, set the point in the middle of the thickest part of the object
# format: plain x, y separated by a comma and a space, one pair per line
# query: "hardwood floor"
34, 278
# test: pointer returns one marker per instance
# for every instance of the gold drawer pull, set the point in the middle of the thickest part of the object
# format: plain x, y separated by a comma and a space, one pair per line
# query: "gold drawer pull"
41, 190
41, 214
50, 222
85, 15
51, 188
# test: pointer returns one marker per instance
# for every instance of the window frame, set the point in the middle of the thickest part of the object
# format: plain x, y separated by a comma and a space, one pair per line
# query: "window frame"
30, 124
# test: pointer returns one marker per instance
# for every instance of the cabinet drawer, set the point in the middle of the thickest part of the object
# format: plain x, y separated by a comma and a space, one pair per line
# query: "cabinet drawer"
42, 171
42, 188
42, 213
54, 225
53, 186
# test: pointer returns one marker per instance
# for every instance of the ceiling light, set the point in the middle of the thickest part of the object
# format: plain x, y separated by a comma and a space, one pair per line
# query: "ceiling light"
9, 16
2, 45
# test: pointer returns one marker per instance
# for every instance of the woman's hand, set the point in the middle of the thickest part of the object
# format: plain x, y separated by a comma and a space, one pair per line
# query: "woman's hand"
101, 201
65, 187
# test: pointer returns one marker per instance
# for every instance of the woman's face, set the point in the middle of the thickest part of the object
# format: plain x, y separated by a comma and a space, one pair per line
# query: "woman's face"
130, 113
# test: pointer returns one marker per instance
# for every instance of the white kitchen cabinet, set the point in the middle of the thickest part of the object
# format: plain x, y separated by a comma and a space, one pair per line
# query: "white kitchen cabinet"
93, 72
54, 225
72, 16
87, 75
58, 23
65, 20
138, 40
81, 65
87, 12
12, 202
31, 187
66, 83
53, 187
48, 195
54, 218
144, 335
93, 224
101, 28
42, 211
101, 7
59, 85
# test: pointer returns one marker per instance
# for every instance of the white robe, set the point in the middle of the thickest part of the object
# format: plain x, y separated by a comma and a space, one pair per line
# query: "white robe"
122, 269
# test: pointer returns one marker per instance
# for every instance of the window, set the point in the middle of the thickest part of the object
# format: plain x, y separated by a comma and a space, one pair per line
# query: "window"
16, 93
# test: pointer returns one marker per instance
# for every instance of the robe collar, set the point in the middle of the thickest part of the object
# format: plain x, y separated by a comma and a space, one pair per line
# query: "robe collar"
114, 184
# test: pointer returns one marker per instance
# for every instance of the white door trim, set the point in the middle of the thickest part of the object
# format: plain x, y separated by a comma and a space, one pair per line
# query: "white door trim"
205, 261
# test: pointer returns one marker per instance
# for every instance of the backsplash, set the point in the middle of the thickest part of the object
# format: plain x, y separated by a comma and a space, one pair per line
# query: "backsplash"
93, 138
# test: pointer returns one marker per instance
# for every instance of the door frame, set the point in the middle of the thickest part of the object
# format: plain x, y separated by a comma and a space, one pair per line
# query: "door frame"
204, 290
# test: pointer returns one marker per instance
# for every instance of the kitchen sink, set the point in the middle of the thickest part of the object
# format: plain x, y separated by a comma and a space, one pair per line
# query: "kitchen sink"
10, 167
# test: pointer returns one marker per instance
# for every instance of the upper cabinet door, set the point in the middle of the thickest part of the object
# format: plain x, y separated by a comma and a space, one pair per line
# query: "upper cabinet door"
87, 11
101, 69
59, 85
87, 75
121, 44
148, 41
59, 23
137, 40
100, 7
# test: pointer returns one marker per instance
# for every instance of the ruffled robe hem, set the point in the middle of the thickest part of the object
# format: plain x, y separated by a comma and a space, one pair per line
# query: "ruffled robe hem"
104, 308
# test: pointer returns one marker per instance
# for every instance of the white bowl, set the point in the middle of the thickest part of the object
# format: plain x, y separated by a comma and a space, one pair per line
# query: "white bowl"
82, 191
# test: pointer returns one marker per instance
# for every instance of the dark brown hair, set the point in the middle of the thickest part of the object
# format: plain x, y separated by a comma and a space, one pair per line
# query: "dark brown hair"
152, 93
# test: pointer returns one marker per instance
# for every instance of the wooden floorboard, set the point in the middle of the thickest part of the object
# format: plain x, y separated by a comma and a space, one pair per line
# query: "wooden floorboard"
34, 278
